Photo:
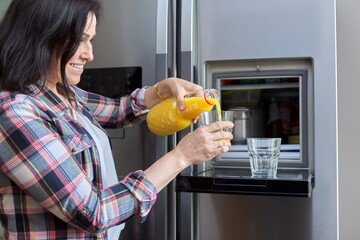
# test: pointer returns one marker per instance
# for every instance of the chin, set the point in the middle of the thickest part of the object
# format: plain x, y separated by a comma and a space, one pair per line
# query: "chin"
73, 81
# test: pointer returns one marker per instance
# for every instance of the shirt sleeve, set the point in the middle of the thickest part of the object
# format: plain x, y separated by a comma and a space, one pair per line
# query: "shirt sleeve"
36, 159
113, 113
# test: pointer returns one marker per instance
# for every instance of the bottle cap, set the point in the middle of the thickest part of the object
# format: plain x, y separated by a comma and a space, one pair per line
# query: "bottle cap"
210, 94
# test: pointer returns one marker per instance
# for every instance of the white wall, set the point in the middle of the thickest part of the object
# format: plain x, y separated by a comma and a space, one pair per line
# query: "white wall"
348, 46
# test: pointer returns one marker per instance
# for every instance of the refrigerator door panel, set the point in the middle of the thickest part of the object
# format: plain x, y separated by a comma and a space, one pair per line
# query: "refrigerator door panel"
186, 61
127, 36
246, 30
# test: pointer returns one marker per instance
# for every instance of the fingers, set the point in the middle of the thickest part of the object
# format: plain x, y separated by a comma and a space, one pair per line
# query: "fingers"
220, 135
180, 88
216, 147
180, 102
202, 145
215, 138
218, 126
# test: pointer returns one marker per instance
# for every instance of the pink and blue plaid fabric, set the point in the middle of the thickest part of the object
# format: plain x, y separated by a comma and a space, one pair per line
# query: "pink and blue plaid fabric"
50, 180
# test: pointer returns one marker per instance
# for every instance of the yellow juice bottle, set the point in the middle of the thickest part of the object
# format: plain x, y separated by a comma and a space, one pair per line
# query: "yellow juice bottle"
165, 118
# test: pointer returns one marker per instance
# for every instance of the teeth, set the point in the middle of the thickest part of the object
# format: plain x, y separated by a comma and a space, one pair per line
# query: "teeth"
77, 66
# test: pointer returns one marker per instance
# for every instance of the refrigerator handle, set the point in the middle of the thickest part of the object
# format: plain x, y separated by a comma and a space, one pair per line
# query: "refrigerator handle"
166, 67
172, 41
162, 39
187, 223
187, 38
166, 39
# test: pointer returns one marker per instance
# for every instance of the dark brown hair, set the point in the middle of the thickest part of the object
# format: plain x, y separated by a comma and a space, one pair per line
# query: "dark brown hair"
31, 31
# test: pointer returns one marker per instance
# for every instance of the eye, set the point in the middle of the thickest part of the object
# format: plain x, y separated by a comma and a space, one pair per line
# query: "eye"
85, 37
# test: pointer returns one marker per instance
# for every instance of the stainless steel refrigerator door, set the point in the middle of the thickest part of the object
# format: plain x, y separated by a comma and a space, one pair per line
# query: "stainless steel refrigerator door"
241, 29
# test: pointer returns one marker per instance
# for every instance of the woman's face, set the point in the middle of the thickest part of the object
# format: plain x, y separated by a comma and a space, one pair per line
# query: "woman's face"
75, 66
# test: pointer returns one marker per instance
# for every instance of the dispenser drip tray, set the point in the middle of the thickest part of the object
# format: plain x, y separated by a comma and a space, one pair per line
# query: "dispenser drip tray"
289, 182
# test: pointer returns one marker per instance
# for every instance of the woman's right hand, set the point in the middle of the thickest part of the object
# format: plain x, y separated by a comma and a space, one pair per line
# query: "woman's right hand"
168, 88
204, 143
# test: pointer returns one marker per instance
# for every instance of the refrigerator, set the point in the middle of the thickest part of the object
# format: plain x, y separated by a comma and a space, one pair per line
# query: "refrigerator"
213, 43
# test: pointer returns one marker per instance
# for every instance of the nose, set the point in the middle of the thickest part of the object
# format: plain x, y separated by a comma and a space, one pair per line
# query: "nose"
88, 56
87, 53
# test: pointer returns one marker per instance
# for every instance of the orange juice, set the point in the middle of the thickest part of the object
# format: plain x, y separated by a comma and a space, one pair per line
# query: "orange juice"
218, 109
165, 118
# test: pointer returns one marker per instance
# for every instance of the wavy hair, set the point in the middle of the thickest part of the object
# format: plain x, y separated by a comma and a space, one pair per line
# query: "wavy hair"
32, 31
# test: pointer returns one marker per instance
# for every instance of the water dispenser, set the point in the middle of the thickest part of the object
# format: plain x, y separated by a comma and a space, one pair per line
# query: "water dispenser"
271, 98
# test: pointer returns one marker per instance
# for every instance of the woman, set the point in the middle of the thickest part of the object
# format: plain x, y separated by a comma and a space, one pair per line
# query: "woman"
55, 181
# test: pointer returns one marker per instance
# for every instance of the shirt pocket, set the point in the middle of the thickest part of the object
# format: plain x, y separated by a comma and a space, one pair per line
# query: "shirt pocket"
74, 136
77, 143
80, 144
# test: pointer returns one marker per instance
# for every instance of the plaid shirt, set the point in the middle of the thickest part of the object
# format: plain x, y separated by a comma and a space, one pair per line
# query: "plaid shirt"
50, 179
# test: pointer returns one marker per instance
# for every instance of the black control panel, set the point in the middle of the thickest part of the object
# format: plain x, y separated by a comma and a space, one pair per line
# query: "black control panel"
111, 82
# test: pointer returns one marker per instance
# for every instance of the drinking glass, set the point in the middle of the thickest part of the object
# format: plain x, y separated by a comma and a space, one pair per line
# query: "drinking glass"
264, 156
208, 117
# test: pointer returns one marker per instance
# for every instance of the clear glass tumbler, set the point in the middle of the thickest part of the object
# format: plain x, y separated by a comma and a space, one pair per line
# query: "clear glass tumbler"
264, 156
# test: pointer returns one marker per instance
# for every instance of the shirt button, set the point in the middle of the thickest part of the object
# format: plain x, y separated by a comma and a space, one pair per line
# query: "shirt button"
73, 150
84, 212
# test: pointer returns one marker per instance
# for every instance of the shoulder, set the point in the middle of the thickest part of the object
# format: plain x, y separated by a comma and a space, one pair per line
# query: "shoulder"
15, 104
15, 98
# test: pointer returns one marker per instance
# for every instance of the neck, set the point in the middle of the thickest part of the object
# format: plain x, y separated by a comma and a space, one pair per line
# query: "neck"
59, 89
52, 86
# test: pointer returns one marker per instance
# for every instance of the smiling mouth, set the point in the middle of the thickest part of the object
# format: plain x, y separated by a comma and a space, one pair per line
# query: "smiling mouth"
77, 66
